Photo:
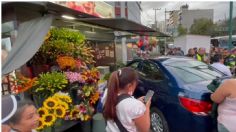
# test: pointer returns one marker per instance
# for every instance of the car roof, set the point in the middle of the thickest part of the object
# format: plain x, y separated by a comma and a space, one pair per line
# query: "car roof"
165, 59
171, 59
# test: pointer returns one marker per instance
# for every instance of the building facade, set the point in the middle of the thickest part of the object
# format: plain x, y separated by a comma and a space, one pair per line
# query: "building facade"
186, 17
130, 10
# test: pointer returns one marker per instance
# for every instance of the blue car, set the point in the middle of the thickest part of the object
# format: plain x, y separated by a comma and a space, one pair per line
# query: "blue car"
181, 102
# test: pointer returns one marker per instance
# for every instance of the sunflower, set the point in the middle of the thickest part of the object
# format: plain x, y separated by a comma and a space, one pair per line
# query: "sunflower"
41, 124
64, 105
50, 103
42, 111
49, 119
86, 117
59, 111
64, 98
74, 112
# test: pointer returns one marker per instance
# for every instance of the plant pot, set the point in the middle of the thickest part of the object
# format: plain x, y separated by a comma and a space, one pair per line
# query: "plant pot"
86, 126
99, 124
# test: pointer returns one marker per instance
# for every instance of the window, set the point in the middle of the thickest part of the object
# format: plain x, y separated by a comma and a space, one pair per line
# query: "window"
134, 65
151, 71
117, 9
126, 12
193, 71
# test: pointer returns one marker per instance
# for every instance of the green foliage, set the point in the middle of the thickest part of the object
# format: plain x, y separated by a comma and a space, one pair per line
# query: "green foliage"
181, 30
202, 27
59, 41
50, 83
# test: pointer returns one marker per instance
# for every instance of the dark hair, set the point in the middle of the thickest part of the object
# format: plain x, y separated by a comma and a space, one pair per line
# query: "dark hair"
217, 58
118, 80
21, 105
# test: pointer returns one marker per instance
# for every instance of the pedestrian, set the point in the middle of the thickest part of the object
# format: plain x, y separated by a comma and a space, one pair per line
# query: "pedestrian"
179, 52
19, 116
218, 63
201, 55
225, 96
195, 50
129, 114
191, 53
230, 60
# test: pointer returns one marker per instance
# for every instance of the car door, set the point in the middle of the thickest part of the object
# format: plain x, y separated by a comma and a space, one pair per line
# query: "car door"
151, 77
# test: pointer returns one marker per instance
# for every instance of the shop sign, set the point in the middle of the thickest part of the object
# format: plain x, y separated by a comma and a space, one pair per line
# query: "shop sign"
94, 8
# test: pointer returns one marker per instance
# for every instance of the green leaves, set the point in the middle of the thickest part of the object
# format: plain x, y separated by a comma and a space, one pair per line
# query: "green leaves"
202, 27
50, 83
61, 41
181, 30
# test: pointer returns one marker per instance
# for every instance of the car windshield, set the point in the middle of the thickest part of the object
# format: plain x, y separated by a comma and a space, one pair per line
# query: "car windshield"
193, 71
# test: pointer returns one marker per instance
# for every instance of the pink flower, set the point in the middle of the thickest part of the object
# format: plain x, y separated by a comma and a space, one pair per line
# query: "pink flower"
74, 77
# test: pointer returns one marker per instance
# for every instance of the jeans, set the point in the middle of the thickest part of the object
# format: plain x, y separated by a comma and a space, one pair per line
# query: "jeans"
222, 128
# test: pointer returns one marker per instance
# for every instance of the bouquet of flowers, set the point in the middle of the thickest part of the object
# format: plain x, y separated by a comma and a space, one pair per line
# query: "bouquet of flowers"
53, 108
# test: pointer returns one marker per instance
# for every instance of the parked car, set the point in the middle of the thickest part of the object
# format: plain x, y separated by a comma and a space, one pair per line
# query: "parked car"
181, 102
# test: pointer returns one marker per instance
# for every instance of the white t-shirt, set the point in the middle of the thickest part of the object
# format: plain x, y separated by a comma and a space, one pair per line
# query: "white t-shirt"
222, 68
127, 110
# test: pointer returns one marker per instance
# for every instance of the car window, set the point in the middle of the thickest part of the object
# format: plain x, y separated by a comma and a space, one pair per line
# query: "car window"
151, 71
193, 71
134, 65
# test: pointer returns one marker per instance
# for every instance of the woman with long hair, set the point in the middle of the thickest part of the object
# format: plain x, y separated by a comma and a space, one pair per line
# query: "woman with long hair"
127, 114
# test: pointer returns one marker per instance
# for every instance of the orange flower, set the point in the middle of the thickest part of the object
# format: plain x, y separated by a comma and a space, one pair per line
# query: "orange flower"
29, 83
94, 98
22, 84
66, 62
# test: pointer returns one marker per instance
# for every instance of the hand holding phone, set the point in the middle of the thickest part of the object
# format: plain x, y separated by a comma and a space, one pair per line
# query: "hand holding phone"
149, 94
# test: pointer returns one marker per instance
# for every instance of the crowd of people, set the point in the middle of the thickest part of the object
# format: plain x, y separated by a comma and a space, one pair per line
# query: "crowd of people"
222, 59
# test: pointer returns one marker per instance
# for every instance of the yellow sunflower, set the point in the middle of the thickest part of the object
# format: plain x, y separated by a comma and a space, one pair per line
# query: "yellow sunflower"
86, 117
60, 112
41, 124
42, 111
49, 119
50, 103
73, 113
65, 98
64, 105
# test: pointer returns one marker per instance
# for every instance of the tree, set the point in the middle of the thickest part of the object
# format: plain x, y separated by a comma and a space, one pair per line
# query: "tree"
202, 26
181, 30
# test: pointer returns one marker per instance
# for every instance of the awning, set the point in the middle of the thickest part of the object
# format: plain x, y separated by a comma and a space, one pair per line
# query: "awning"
123, 24
118, 24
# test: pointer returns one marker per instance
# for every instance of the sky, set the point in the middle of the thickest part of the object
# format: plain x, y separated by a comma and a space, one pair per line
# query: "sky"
221, 9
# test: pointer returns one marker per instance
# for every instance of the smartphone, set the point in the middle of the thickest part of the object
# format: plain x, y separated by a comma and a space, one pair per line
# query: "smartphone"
148, 96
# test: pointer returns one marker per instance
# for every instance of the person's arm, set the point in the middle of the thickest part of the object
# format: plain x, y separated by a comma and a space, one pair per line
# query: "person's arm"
143, 122
219, 95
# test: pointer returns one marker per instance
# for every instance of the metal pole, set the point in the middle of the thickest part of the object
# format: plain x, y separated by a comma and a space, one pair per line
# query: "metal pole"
155, 18
165, 32
230, 24
155, 9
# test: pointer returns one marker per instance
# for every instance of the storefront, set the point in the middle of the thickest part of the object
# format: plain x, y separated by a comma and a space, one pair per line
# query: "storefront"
25, 25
